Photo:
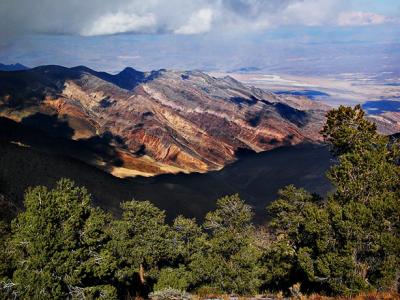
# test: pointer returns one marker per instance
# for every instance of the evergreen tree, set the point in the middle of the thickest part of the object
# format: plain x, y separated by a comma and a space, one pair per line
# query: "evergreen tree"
350, 242
142, 244
7, 212
347, 128
365, 207
57, 246
189, 241
229, 261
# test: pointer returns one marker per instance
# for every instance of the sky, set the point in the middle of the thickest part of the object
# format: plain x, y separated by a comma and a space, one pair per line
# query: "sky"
281, 35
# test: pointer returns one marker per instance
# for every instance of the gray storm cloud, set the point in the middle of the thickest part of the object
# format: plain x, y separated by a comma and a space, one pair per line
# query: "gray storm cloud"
101, 17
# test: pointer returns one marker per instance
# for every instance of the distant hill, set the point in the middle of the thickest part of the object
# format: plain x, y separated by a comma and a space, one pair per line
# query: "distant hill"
13, 67
246, 70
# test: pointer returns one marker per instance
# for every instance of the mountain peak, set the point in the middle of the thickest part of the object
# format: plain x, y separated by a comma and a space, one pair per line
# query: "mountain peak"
129, 70
127, 79
13, 67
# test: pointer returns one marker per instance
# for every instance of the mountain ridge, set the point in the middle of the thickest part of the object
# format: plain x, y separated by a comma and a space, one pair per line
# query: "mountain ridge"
160, 121
13, 67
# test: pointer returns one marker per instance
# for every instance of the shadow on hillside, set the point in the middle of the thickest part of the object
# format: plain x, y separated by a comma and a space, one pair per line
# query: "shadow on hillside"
52, 135
27, 88
50, 124
256, 177
295, 116
241, 100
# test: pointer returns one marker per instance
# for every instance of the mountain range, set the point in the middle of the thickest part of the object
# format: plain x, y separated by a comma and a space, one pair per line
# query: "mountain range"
149, 123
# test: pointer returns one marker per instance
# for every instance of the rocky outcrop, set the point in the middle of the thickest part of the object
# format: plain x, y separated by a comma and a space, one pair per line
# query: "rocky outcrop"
158, 122
387, 123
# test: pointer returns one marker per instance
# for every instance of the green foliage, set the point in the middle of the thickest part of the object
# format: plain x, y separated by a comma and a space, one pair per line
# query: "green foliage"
232, 214
106, 292
296, 222
176, 278
230, 248
365, 207
350, 242
7, 212
5, 261
188, 239
141, 244
57, 243
346, 128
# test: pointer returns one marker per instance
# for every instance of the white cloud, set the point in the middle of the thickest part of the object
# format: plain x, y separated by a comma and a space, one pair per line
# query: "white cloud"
99, 17
120, 22
199, 22
359, 18
128, 57
312, 12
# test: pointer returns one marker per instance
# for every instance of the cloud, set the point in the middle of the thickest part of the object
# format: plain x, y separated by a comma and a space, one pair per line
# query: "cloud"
312, 12
359, 18
128, 57
119, 23
199, 22
105, 17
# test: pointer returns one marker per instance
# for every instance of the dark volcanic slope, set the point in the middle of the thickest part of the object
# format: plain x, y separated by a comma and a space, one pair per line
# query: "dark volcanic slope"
157, 122
256, 177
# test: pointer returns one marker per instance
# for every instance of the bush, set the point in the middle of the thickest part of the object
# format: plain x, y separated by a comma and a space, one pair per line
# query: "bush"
170, 294
172, 278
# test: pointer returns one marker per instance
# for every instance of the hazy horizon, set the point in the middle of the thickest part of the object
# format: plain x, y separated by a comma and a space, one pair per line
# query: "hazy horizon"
313, 37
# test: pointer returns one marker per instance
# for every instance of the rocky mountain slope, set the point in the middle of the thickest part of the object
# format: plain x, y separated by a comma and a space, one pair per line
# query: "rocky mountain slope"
136, 123
387, 122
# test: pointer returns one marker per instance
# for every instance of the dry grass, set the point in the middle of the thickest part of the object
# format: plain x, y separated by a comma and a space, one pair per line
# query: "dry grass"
364, 296
375, 296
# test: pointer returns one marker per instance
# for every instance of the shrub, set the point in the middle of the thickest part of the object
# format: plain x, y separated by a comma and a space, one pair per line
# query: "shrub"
172, 278
170, 294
